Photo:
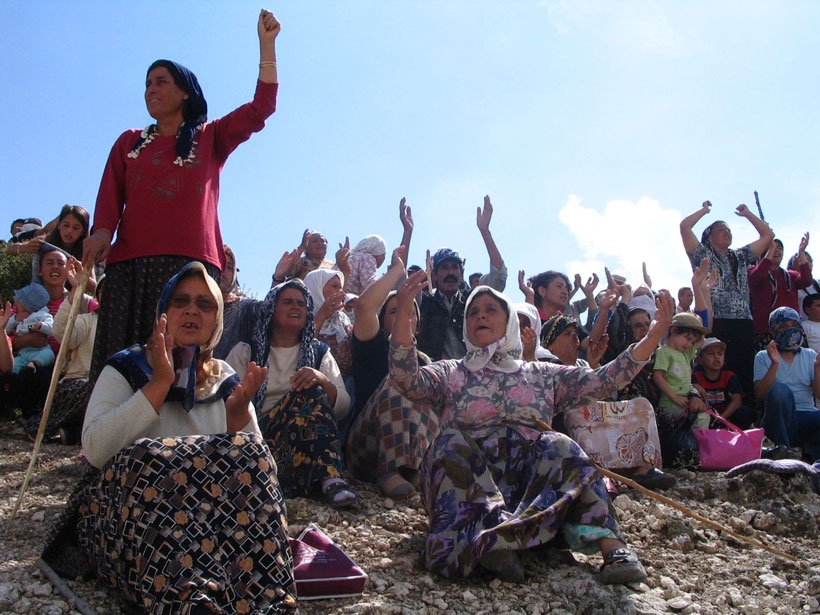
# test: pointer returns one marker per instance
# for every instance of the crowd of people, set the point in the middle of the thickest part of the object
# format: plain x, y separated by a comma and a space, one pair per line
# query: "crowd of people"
199, 410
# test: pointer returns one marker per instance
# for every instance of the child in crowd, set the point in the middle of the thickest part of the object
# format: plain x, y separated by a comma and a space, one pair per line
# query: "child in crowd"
811, 307
31, 304
720, 388
672, 372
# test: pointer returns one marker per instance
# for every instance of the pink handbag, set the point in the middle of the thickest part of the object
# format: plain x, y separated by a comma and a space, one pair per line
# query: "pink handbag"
722, 449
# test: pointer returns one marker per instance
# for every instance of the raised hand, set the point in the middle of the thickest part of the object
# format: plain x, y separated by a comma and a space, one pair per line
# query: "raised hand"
405, 215
646, 277
529, 341
591, 284
342, 255
707, 206
773, 352
5, 315
237, 408
289, 264
596, 350
483, 217
804, 243
742, 211
268, 27
399, 257
159, 350
526, 288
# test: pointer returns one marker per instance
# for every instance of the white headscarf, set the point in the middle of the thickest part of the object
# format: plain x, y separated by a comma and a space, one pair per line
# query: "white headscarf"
372, 244
531, 312
338, 322
645, 302
502, 355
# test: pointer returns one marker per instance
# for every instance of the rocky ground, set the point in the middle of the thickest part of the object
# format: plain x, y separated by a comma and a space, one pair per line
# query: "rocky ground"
692, 567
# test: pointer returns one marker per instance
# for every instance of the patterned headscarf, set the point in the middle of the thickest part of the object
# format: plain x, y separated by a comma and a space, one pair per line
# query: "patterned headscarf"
502, 355
372, 244
554, 327
133, 363
263, 328
791, 338
194, 110
315, 281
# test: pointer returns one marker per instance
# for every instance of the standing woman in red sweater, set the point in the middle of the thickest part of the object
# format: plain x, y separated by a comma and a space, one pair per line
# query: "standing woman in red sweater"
160, 190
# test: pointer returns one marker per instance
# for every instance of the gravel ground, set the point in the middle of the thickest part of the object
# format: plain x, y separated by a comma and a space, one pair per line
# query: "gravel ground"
692, 567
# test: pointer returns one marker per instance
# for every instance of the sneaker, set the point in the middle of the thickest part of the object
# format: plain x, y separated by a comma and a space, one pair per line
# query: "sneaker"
622, 566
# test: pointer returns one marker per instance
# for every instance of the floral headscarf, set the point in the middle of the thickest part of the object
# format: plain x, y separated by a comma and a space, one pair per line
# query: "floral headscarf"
502, 355
338, 323
790, 338
263, 328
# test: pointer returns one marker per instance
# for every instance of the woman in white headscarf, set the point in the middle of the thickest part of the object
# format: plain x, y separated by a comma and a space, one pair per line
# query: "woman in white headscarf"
333, 326
364, 260
497, 479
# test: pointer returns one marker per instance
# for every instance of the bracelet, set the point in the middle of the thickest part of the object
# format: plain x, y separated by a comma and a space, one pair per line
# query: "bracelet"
267, 63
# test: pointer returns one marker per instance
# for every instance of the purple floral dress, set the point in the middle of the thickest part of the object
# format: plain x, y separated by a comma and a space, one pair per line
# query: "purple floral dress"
496, 477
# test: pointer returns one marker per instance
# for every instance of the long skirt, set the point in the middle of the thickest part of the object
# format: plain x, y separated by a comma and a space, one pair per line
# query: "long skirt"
129, 303
505, 491
304, 440
67, 409
391, 432
186, 523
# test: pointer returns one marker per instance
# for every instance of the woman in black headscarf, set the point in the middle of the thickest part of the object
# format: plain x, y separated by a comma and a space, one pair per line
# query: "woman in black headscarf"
160, 191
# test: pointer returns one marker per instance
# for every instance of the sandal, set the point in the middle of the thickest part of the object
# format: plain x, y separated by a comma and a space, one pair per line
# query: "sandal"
622, 566
655, 479
394, 486
338, 495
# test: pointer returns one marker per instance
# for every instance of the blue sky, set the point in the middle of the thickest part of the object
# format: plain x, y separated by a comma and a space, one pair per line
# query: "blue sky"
593, 126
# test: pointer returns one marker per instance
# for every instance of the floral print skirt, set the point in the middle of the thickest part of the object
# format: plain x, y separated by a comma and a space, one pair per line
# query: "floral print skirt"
187, 524
304, 439
505, 491
391, 432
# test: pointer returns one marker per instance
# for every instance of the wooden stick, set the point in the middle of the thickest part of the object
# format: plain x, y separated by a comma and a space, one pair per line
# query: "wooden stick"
52, 388
693, 514
73, 599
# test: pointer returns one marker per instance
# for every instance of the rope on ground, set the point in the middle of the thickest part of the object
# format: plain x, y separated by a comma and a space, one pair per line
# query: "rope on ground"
694, 515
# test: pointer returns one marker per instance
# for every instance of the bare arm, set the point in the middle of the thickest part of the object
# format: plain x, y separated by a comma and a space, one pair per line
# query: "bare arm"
759, 245
6, 356
268, 29
642, 351
483, 222
402, 329
406, 217
763, 385
370, 301
690, 241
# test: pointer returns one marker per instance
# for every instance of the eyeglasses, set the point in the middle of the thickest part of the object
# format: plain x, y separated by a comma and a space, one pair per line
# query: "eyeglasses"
202, 303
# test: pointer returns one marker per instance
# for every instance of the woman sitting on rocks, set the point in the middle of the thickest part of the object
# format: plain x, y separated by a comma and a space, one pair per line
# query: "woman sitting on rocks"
498, 479
180, 522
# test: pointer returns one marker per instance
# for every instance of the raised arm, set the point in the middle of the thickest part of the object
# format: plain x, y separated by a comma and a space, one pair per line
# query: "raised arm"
406, 217
482, 218
403, 328
759, 245
643, 350
690, 241
268, 29
366, 325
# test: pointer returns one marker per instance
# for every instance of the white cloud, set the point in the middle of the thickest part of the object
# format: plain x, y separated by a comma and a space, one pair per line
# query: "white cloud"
623, 236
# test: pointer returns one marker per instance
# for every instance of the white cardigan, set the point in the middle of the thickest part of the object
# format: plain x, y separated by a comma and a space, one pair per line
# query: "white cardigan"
117, 416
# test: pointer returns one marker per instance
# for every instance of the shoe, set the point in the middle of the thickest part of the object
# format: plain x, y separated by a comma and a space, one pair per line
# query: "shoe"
504, 564
779, 451
338, 495
393, 485
655, 479
622, 566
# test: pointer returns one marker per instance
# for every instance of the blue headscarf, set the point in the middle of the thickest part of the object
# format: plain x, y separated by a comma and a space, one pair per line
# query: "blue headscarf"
263, 328
194, 111
133, 364
790, 338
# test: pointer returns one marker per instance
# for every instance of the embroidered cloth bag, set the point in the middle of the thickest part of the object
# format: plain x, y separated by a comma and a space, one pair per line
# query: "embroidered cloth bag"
616, 434
722, 449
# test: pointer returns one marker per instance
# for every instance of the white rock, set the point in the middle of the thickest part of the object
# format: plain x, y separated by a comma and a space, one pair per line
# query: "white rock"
772, 581
679, 603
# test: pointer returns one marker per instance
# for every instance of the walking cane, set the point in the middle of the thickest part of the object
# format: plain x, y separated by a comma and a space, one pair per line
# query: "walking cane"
52, 387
